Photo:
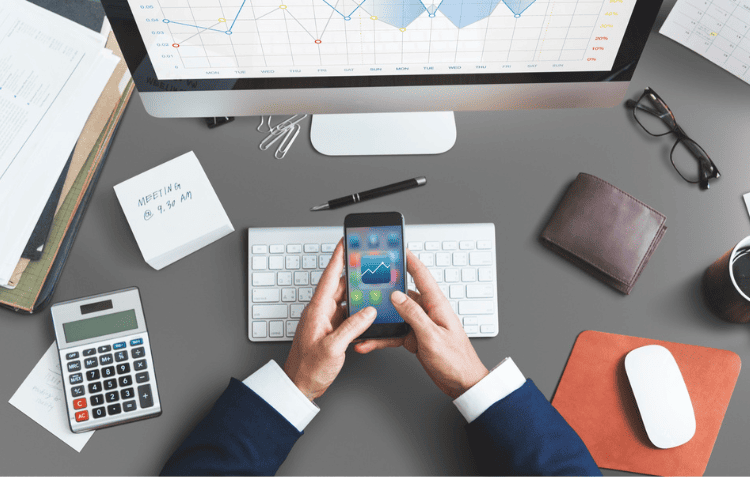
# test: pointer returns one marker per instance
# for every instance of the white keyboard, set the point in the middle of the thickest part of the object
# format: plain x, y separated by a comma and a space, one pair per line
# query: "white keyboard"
285, 265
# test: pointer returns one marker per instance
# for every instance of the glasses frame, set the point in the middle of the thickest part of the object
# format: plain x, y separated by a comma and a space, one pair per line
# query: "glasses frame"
706, 168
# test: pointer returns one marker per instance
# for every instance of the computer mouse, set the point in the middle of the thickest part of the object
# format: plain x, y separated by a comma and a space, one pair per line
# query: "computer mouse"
662, 397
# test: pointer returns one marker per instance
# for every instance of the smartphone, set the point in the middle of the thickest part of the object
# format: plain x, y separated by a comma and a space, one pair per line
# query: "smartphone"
375, 268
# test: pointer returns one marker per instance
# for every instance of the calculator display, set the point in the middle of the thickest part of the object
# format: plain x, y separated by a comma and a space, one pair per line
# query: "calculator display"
100, 326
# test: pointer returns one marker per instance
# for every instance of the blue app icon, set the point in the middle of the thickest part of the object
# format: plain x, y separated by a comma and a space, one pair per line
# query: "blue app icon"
376, 269
354, 241
393, 240
374, 241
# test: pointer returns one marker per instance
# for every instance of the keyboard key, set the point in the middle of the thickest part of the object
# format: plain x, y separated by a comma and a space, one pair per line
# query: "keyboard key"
458, 291
260, 249
486, 274
110, 384
437, 274
260, 263
276, 329
471, 320
263, 279
121, 356
305, 294
92, 375
480, 291
468, 274
114, 409
259, 329
144, 395
450, 245
275, 263
292, 262
480, 258
476, 307
136, 342
79, 403
97, 400
466, 245
276, 249
415, 246
323, 261
76, 378
127, 394
98, 413
89, 352
139, 365
488, 328
72, 355
77, 391
315, 277
452, 275
125, 381
95, 388
445, 289
288, 294
105, 359
296, 311
471, 329
112, 396
108, 372
432, 246
428, 259
266, 295
74, 366
82, 416
141, 377
291, 328
269, 311
328, 247
459, 259
312, 248
301, 278
294, 248
91, 362
284, 278
484, 245
443, 259
119, 345
138, 353
129, 406
310, 261
123, 368
105, 348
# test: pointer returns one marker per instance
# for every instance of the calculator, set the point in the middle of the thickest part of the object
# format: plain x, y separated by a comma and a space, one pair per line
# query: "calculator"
106, 362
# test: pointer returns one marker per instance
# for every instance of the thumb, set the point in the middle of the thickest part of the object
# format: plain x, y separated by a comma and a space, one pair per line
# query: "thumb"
354, 326
411, 312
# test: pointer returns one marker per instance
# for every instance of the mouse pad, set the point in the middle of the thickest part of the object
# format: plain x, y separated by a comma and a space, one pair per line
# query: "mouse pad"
594, 396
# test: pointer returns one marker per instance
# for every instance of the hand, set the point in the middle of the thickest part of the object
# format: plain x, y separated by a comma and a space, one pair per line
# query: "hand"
322, 336
437, 337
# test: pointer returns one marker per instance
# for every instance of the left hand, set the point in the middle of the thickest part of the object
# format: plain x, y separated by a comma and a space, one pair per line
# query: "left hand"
322, 336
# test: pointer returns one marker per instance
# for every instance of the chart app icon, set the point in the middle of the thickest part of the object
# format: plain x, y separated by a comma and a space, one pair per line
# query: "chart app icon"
376, 269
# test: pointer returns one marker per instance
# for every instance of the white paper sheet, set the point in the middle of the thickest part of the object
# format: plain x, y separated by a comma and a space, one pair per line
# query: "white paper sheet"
41, 397
718, 30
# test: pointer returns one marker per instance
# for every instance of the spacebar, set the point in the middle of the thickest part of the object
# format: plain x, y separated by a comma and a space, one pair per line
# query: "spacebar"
269, 311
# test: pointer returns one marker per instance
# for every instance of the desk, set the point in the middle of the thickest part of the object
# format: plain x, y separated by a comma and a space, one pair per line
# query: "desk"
383, 415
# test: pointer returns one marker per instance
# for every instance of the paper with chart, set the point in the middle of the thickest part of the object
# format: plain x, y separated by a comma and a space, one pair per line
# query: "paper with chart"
41, 397
189, 39
718, 30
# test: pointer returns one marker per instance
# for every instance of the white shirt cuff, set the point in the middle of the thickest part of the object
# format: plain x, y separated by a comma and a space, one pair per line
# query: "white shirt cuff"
273, 385
502, 380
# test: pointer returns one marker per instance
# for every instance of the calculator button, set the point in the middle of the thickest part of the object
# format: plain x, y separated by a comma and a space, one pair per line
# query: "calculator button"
144, 395
114, 409
82, 416
105, 359
79, 403
129, 406
110, 384
136, 342
89, 352
105, 348
112, 396
126, 381
72, 355
98, 412
127, 393
74, 366
77, 391
108, 372
76, 378
95, 387
142, 377
138, 352
92, 375
97, 400
119, 345
121, 356
123, 368
140, 365
91, 362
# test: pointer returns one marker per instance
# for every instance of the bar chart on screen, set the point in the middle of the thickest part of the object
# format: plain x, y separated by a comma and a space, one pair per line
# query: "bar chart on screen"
189, 39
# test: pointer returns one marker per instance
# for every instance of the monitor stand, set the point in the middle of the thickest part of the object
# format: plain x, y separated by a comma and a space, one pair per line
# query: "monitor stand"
375, 134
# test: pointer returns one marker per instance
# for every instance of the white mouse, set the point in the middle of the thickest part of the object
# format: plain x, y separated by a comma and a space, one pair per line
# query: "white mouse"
661, 395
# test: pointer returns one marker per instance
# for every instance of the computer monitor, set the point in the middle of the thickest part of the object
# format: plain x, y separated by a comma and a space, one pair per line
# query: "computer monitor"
332, 58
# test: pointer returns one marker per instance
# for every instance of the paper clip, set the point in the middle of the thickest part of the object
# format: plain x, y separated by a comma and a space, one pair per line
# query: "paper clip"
271, 138
287, 142
290, 122
260, 126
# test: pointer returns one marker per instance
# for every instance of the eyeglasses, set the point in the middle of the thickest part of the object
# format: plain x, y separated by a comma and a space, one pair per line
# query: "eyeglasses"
690, 161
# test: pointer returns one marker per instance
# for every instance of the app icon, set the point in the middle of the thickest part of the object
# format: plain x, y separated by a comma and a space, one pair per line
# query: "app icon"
354, 241
373, 240
393, 240
376, 297
376, 269
354, 279
357, 297
393, 255
354, 260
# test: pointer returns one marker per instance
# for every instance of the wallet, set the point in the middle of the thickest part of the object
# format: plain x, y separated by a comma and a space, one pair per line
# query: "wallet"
604, 231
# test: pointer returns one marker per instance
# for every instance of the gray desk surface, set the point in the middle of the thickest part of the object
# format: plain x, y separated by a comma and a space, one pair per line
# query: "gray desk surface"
383, 415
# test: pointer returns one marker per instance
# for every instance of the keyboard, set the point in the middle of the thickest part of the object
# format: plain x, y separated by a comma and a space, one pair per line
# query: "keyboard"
286, 263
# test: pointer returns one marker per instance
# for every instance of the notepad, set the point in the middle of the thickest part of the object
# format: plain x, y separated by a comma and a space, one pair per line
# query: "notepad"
173, 210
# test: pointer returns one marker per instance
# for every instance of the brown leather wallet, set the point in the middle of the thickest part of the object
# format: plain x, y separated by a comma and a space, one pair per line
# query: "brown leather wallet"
604, 231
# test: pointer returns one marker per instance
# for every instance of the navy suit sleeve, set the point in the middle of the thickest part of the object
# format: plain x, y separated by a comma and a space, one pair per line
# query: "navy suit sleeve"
522, 434
241, 435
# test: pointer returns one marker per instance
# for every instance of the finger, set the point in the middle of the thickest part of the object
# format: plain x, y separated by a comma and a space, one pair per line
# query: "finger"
329, 281
371, 345
416, 296
423, 279
338, 316
338, 295
410, 342
412, 313
353, 326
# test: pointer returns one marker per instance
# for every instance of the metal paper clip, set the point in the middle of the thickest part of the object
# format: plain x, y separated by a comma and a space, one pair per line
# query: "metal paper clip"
287, 142
260, 126
290, 121
271, 138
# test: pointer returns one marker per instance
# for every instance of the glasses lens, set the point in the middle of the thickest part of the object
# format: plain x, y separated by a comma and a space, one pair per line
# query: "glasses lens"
687, 157
654, 115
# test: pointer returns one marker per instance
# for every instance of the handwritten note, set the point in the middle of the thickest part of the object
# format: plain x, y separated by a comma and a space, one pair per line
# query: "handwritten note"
41, 397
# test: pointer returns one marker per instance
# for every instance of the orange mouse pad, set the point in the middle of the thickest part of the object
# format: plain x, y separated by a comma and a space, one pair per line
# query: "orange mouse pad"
594, 396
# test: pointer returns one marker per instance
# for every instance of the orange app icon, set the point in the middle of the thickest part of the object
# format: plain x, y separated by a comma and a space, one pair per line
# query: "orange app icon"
355, 259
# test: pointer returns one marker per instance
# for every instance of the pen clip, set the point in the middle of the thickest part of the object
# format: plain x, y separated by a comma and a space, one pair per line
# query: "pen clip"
290, 137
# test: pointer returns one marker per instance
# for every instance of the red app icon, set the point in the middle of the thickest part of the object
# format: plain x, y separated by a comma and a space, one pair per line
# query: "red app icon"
354, 260
82, 416
79, 403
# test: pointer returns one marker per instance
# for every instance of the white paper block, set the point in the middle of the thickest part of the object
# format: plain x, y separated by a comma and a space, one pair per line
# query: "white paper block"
173, 210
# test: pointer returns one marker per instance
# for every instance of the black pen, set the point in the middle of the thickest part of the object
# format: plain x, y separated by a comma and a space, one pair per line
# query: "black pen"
372, 193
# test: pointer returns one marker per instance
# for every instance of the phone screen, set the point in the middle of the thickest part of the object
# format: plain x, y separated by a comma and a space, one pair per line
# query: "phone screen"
375, 268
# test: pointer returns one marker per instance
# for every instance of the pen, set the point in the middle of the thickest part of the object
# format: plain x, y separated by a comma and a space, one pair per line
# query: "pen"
372, 193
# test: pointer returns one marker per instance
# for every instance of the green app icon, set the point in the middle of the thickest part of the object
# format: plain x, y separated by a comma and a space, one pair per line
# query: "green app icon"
376, 296
354, 279
357, 297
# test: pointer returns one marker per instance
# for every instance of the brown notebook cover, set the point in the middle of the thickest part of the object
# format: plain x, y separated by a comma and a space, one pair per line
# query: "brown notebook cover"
604, 231
595, 397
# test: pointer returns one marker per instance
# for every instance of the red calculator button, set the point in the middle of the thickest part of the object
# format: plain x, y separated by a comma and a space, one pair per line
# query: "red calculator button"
82, 416
79, 403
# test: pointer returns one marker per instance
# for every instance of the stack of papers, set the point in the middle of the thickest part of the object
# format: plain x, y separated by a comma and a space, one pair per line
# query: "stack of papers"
52, 72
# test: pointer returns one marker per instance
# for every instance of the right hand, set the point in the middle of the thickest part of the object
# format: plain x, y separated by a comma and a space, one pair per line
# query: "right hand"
437, 337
